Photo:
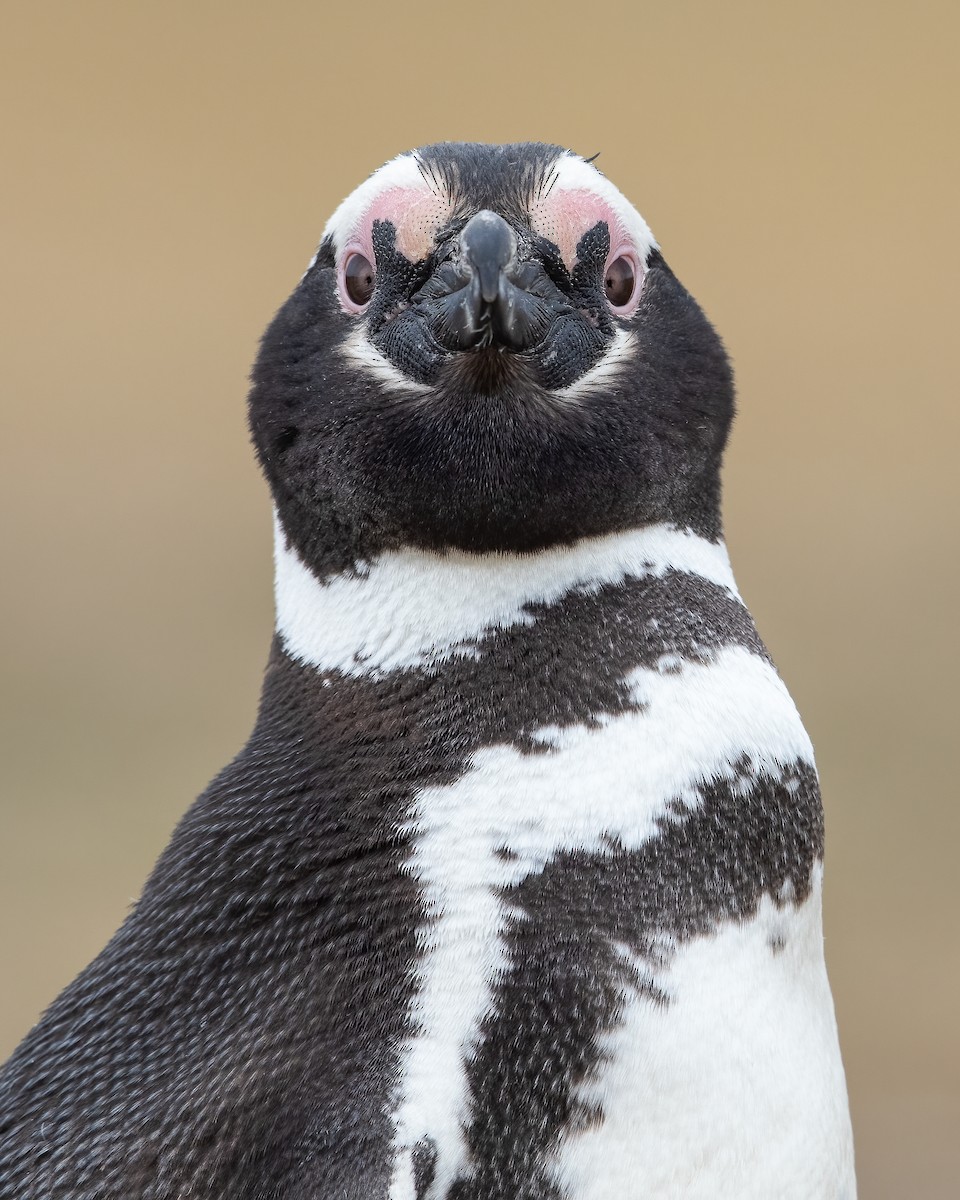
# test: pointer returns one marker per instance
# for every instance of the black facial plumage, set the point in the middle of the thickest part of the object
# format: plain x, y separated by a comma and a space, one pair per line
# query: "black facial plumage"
492, 446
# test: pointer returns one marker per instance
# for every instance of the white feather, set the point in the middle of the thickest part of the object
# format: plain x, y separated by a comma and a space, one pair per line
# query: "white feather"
358, 348
400, 172
611, 781
575, 174
411, 608
616, 359
734, 1090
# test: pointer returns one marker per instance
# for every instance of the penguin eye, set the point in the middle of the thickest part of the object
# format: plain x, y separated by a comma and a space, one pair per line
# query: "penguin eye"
359, 278
619, 281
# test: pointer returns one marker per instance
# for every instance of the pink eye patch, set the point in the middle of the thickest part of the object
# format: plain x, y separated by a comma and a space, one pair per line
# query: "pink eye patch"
565, 216
415, 213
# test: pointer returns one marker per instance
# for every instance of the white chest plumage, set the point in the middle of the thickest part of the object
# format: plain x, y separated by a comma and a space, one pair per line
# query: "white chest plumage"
710, 1064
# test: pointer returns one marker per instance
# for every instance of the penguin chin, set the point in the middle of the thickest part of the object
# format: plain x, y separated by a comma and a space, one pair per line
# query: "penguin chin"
488, 371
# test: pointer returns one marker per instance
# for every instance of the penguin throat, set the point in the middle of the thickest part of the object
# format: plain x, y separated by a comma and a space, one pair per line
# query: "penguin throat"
411, 608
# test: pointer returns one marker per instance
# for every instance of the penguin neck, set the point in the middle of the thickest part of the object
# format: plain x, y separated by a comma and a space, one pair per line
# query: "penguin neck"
411, 608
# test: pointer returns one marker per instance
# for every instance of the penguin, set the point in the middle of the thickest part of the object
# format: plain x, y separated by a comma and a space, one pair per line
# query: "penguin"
515, 890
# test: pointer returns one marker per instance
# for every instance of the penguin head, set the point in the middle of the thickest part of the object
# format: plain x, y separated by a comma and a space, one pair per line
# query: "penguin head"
488, 352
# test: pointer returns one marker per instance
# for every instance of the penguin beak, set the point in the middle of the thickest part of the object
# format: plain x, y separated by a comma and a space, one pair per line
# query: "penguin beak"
484, 295
487, 247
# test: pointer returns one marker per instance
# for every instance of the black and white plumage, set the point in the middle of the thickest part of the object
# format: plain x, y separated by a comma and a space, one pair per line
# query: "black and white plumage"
515, 889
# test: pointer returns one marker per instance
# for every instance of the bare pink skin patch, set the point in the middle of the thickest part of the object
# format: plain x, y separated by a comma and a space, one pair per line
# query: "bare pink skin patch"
563, 216
568, 209
415, 213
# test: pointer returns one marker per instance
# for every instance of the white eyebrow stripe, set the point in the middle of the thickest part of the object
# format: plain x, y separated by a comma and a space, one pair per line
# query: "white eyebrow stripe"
573, 173
401, 172
569, 173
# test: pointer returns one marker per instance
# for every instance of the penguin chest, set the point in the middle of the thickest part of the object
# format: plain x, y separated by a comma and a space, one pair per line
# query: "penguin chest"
620, 988
722, 1076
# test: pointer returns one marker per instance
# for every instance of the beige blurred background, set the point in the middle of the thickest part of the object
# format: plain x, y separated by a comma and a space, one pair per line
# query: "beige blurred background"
167, 169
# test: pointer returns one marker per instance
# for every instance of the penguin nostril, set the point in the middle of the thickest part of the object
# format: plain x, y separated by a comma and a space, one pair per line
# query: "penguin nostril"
450, 278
